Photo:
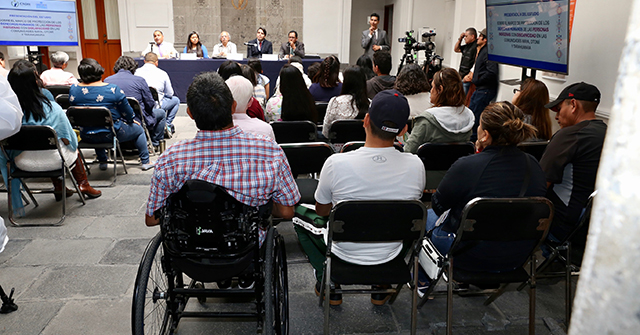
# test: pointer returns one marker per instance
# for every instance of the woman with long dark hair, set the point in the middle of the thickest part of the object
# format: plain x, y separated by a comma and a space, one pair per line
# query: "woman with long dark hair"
531, 98
448, 120
366, 65
195, 46
39, 110
326, 83
352, 103
94, 92
294, 102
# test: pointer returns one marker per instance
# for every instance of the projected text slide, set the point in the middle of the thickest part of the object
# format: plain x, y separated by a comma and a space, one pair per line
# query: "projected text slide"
45, 23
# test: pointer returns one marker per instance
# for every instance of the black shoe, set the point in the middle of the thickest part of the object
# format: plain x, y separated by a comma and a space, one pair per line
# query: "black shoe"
224, 284
246, 282
335, 299
379, 299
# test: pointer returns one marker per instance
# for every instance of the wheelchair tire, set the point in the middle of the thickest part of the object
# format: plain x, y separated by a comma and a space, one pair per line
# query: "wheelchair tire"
276, 299
150, 312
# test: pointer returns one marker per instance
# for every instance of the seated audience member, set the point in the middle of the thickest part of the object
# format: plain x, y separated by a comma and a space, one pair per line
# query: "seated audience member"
449, 120
38, 110
262, 46
225, 47
161, 48
263, 80
413, 83
242, 90
10, 122
352, 102
365, 63
382, 67
3, 70
375, 172
255, 109
195, 46
313, 71
296, 62
294, 102
259, 92
531, 98
571, 159
136, 87
57, 75
497, 171
94, 92
220, 148
229, 68
328, 85
160, 80
293, 47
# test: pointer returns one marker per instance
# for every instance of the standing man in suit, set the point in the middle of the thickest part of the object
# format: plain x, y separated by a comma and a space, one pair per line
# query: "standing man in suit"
262, 46
292, 47
374, 39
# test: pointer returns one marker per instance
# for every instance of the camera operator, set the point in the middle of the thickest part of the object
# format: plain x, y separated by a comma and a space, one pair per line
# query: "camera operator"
374, 39
469, 51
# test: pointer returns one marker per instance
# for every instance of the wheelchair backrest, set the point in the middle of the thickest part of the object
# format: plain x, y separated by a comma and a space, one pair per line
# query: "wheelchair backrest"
202, 219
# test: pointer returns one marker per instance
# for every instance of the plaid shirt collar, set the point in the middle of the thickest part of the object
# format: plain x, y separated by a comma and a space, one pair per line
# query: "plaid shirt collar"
218, 134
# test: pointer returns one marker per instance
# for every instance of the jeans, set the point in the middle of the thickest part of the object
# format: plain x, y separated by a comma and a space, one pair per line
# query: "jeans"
466, 87
480, 99
127, 132
442, 240
157, 131
171, 106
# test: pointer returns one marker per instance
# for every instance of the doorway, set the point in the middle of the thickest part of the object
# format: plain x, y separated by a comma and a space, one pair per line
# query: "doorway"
100, 32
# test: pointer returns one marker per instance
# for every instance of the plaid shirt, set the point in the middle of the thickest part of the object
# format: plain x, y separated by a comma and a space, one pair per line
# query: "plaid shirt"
252, 168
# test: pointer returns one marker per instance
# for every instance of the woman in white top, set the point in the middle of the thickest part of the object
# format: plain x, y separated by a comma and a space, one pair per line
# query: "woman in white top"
413, 83
352, 102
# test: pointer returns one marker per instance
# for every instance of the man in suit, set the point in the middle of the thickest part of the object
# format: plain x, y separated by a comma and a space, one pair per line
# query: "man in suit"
374, 39
259, 46
292, 47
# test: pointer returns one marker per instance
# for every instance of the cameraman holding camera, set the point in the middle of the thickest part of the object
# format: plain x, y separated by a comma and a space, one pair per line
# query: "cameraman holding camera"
469, 51
374, 39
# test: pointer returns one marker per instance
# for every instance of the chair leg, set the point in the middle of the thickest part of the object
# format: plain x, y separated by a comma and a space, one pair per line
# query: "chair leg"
327, 295
450, 299
75, 185
532, 297
545, 264
567, 301
29, 193
496, 294
414, 297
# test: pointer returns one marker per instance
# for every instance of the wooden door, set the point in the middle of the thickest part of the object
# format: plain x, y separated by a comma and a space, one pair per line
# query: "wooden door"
100, 32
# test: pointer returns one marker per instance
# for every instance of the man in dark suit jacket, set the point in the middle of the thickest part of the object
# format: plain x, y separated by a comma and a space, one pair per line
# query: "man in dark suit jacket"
374, 39
262, 46
292, 47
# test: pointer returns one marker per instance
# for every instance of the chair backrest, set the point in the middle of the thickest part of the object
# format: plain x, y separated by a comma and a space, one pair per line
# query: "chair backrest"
135, 105
294, 131
343, 131
154, 93
63, 100
202, 219
321, 109
33, 138
534, 148
58, 89
90, 116
505, 219
306, 157
377, 220
578, 236
355, 145
440, 156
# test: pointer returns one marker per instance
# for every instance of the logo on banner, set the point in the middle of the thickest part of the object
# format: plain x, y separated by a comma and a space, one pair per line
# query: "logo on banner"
240, 5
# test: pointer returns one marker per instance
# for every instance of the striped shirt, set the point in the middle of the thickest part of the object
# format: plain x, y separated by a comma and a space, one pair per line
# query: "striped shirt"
252, 168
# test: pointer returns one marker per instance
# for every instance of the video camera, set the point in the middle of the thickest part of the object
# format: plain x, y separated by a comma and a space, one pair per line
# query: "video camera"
432, 62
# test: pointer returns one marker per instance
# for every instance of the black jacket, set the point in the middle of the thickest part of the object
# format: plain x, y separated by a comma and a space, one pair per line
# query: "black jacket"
485, 75
252, 51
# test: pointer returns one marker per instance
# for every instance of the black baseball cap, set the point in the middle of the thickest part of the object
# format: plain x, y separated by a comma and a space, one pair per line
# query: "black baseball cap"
392, 106
579, 91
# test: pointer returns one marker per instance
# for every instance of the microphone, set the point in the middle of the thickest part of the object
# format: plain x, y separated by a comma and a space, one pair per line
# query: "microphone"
250, 44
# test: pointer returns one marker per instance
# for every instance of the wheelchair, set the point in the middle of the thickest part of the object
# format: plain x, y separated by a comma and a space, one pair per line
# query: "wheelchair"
209, 236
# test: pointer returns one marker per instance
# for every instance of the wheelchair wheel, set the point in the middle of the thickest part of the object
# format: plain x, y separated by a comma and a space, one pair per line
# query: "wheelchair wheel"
150, 312
276, 292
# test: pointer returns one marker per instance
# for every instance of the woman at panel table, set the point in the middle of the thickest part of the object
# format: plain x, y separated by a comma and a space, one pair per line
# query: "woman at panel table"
195, 46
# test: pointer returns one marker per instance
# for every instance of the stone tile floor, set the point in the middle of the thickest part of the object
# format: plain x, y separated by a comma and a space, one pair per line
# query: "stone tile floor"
79, 278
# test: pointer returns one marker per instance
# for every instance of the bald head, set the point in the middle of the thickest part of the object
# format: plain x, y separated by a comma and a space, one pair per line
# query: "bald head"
242, 91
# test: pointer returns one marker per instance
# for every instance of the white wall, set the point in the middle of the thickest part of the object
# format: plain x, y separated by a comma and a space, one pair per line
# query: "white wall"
323, 29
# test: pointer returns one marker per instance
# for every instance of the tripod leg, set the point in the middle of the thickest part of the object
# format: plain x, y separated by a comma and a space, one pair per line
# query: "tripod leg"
8, 305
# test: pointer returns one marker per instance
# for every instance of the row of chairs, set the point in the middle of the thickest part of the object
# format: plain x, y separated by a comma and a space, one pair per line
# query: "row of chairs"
342, 131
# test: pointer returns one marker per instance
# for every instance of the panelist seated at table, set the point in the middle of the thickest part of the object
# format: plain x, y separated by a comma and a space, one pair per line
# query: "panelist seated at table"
293, 47
225, 47
195, 46
259, 46
160, 47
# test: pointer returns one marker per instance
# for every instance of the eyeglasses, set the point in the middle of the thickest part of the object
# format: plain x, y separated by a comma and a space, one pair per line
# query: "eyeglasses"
516, 90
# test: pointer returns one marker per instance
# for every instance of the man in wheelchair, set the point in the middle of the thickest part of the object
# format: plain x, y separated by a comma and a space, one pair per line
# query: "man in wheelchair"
251, 168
